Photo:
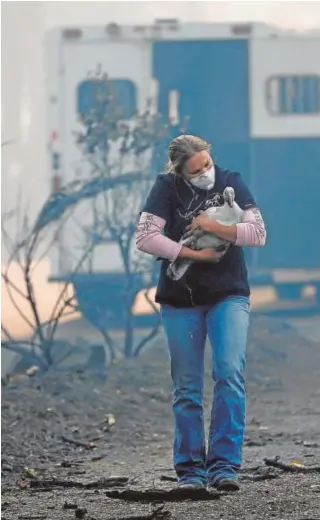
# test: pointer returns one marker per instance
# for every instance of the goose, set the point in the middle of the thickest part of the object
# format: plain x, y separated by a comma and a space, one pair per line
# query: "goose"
228, 214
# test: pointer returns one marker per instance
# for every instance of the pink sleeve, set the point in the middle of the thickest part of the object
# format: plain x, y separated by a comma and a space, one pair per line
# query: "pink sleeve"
150, 238
251, 231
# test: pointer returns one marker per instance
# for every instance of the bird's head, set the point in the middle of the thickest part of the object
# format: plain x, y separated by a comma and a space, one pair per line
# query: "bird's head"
229, 196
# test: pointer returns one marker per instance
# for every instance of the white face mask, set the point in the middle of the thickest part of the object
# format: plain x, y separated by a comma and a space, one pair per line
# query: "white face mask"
205, 181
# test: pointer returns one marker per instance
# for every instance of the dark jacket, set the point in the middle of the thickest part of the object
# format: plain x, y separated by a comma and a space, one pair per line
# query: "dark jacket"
172, 199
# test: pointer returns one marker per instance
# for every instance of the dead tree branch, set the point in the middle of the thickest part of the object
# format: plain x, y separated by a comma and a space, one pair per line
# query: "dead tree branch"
291, 468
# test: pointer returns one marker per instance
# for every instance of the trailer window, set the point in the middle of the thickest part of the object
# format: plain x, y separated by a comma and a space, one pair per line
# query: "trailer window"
93, 92
292, 95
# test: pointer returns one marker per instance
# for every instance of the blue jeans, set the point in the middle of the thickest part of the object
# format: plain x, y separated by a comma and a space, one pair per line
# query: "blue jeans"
186, 329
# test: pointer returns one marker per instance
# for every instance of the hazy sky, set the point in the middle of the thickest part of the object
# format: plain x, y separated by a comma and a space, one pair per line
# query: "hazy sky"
301, 14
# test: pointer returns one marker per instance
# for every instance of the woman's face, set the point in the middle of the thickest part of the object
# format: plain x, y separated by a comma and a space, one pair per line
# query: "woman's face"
197, 165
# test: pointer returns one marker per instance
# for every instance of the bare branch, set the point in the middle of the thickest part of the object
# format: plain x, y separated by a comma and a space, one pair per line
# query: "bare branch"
30, 288
150, 301
56, 317
17, 348
50, 244
9, 285
6, 332
109, 342
7, 280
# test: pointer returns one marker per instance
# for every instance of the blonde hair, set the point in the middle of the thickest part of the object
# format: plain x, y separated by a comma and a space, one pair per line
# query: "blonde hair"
181, 149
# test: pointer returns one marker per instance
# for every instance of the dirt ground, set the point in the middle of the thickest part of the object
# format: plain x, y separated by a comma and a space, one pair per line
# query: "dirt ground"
45, 476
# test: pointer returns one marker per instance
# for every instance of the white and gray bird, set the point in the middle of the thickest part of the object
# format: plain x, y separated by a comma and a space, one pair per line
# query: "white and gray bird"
228, 214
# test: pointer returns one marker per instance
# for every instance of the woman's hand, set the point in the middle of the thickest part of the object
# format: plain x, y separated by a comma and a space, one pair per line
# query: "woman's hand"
202, 222
209, 255
200, 225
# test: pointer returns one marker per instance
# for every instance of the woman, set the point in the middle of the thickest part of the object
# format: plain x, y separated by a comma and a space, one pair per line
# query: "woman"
211, 300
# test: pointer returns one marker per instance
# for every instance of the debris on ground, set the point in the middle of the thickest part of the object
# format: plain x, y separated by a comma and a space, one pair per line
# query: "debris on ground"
103, 447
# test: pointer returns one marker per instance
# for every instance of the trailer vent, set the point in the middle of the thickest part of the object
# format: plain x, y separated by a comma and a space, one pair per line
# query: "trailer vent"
71, 34
242, 29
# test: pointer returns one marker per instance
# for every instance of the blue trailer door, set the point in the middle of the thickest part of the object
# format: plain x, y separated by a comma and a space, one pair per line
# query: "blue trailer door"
212, 81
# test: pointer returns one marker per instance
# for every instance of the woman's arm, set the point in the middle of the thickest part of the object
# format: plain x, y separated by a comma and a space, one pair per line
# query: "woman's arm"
150, 239
250, 232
